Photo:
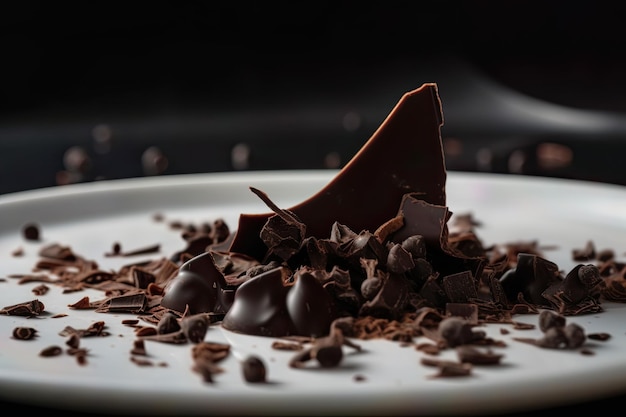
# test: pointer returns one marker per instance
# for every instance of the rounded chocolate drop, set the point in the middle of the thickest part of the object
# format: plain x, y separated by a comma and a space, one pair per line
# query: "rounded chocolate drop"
200, 285
310, 306
253, 369
259, 306
190, 289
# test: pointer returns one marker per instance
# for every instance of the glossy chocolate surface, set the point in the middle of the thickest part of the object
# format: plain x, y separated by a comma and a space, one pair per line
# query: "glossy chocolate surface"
404, 155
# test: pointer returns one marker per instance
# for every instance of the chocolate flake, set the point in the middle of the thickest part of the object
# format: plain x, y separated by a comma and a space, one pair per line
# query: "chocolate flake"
27, 309
51, 351
448, 368
470, 354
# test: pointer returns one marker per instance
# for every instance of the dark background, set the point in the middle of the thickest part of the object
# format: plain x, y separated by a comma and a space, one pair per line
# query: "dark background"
183, 83
174, 87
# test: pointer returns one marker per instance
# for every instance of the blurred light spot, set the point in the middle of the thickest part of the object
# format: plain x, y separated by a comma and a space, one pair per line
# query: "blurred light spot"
67, 177
240, 156
76, 159
102, 138
554, 155
517, 161
452, 147
332, 160
153, 161
351, 121
484, 159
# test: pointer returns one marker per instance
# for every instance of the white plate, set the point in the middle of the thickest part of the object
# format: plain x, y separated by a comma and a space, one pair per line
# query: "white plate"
91, 217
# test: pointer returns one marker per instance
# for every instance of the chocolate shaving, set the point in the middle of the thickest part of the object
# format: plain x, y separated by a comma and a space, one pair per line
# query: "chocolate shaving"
117, 250
24, 333
27, 309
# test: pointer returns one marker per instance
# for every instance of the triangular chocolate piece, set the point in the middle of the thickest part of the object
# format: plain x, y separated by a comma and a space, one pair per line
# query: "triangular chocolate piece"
404, 155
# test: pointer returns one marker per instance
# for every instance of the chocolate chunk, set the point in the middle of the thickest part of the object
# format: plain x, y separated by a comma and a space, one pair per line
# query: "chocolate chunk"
460, 287
532, 276
283, 232
466, 311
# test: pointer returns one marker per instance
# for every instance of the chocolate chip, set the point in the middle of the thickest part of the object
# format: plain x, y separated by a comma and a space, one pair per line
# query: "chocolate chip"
456, 331
51, 351
549, 319
399, 260
253, 369
31, 231
575, 335
168, 323
195, 327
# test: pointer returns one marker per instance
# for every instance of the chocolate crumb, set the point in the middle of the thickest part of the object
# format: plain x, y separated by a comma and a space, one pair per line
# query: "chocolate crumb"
24, 333
523, 326
599, 336
117, 250
195, 327
73, 341
206, 356
469, 354
139, 348
146, 331
141, 362
328, 351
430, 348
30, 231
456, 331
549, 319
51, 351
448, 368
41, 289
280, 345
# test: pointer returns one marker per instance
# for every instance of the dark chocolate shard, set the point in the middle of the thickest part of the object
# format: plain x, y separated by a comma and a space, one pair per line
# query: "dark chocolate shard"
407, 153
532, 276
